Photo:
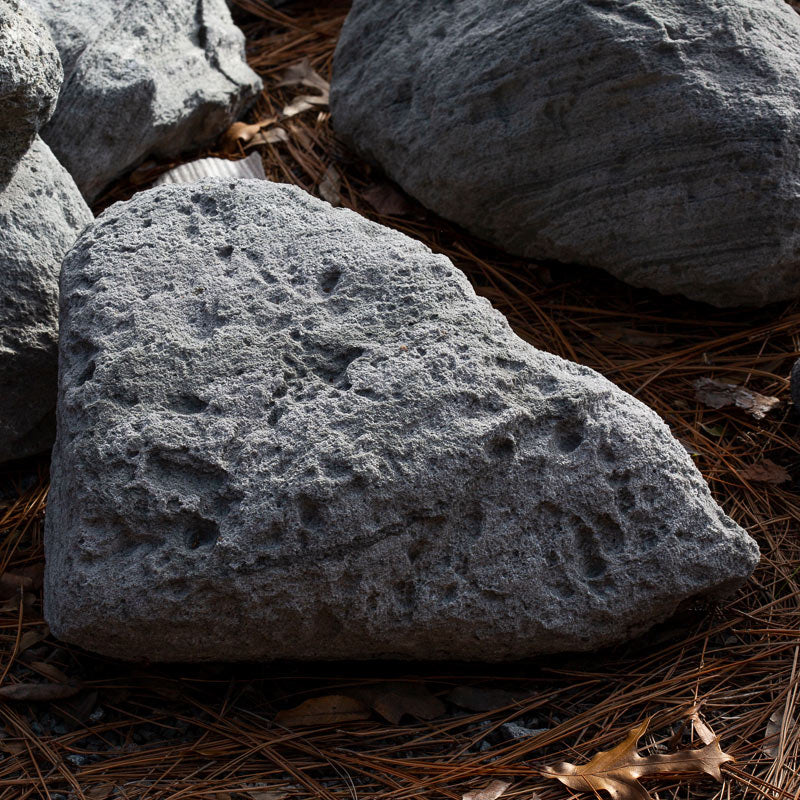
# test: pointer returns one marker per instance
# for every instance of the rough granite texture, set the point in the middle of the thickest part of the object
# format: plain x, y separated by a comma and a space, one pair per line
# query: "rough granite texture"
658, 139
143, 77
288, 432
41, 214
30, 77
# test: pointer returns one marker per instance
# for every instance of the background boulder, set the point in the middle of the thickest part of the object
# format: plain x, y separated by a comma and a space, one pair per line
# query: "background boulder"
143, 77
658, 139
41, 214
30, 78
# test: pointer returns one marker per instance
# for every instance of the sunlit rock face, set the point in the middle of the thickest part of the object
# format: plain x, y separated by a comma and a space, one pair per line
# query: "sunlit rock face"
288, 432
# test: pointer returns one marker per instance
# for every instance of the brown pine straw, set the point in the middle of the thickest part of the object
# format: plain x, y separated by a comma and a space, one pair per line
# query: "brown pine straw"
210, 730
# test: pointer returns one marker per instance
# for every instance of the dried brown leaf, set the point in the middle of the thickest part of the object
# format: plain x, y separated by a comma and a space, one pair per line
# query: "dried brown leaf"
99, 792
772, 738
303, 74
326, 710
13, 748
704, 733
36, 573
330, 186
617, 771
10, 605
270, 136
246, 135
303, 103
765, 472
50, 671
494, 790
394, 700
717, 394
387, 201
11, 583
39, 691
251, 134
30, 638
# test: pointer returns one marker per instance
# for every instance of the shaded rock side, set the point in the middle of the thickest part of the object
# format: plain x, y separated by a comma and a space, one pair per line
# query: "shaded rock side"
41, 214
30, 78
143, 77
658, 139
288, 432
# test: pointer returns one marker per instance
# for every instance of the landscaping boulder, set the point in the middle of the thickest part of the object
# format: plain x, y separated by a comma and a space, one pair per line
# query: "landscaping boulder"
288, 432
30, 77
658, 139
143, 77
41, 214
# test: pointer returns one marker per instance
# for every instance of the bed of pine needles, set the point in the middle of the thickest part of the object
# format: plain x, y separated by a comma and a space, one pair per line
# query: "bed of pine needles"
169, 732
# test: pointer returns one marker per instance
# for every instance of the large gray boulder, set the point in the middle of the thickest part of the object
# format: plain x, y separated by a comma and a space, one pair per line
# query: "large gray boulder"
41, 214
143, 77
30, 77
658, 139
287, 432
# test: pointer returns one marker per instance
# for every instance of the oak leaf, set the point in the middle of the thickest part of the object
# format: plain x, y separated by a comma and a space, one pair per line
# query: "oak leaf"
718, 394
617, 771
250, 135
766, 472
494, 790
39, 692
326, 710
394, 699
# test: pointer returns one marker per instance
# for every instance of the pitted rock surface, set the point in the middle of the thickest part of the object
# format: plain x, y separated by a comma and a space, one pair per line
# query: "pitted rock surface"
143, 77
30, 78
658, 139
288, 432
41, 214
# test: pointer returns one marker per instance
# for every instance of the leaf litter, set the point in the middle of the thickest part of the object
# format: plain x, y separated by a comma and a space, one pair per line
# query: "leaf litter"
617, 771
242, 135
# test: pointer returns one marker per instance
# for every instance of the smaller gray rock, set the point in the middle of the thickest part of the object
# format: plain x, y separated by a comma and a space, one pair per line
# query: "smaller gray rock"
511, 730
148, 77
30, 78
41, 214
